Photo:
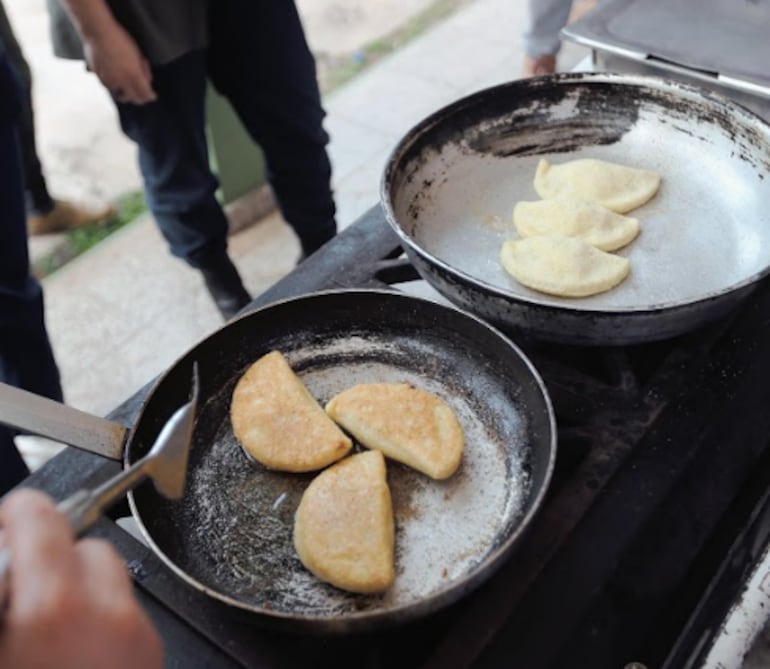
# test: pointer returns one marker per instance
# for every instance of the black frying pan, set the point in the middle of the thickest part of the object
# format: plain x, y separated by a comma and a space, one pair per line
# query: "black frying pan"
450, 186
230, 535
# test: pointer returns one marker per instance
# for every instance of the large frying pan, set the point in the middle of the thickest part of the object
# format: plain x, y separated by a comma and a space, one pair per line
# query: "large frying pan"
450, 185
230, 535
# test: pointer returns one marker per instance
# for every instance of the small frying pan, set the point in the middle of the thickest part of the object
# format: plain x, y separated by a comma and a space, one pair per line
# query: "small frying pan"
231, 533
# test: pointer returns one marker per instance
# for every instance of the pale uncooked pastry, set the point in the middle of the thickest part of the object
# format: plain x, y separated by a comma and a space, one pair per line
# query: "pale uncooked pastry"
279, 423
614, 186
563, 266
568, 217
407, 424
344, 527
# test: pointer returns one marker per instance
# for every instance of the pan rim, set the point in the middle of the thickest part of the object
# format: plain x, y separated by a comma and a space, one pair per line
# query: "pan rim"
443, 596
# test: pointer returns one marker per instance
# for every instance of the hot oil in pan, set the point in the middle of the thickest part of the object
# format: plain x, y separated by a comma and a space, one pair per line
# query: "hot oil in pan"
237, 518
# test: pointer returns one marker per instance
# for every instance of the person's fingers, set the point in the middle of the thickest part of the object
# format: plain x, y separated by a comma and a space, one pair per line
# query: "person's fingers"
137, 89
149, 91
39, 539
103, 571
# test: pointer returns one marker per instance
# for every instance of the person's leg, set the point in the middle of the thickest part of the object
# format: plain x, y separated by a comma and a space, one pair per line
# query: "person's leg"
260, 61
44, 213
542, 40
179, 184
26, 358
38, 199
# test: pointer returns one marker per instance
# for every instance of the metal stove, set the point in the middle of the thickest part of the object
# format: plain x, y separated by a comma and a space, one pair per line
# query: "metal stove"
657, 511
720, 45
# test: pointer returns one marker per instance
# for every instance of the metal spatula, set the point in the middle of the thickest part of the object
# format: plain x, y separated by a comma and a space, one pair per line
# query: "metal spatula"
165, 464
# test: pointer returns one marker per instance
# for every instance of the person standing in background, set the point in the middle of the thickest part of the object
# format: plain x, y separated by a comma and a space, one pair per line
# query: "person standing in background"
260, 61
542, 39
26, 358
44, 213
155, 60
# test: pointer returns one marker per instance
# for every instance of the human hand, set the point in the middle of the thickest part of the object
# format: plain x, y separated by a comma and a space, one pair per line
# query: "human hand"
116, 59
71, 604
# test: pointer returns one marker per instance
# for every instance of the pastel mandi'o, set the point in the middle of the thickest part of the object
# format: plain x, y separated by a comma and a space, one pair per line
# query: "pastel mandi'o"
569, 217
279, 423
344, 527
562, 266
407, 424
617, 187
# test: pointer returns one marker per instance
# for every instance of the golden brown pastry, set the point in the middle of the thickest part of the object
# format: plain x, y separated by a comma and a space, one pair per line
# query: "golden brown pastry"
279, 423
406, 423
344, 528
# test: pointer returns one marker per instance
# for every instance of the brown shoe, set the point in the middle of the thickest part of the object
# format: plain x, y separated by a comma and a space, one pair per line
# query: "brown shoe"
66, 216
539, 65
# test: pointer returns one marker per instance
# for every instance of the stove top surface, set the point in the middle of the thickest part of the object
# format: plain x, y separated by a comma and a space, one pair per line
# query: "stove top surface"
660, 478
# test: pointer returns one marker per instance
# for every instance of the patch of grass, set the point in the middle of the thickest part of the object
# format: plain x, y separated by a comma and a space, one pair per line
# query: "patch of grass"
334, 72
127, 209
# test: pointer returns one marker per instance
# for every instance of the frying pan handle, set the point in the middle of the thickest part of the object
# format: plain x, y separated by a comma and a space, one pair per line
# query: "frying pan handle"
39, 415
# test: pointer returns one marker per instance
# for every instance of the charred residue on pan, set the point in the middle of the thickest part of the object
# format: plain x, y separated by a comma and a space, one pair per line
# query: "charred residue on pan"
692, 110
562, 119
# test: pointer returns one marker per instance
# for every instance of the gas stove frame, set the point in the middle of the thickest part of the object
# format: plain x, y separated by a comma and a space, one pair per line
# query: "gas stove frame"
661, 472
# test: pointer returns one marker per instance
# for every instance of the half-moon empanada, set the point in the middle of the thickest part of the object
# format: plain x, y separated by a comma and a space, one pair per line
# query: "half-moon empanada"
279, 423
614, 186
407, 424
563, 266
568, 217
344, 527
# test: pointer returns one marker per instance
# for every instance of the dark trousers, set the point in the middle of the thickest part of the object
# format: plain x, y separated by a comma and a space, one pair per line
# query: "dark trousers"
260, 61
170, 134
268, 74
26, 358
37, 198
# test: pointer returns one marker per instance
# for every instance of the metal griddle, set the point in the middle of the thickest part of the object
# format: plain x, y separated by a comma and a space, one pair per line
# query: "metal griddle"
720, 43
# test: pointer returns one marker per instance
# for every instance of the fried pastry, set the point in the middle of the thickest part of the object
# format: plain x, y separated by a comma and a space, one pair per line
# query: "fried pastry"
279, 423
344, 527
407, 424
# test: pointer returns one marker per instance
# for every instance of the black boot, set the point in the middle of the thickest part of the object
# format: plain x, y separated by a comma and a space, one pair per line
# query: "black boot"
224, 285
310, 243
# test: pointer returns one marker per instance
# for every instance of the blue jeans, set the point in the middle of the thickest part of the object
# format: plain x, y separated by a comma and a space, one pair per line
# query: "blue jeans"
26, 358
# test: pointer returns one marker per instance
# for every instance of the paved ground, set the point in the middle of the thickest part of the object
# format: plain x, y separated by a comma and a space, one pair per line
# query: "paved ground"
123, 312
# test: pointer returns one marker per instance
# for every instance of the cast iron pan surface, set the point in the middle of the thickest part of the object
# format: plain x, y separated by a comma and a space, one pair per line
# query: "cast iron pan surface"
450, 186
231, 534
